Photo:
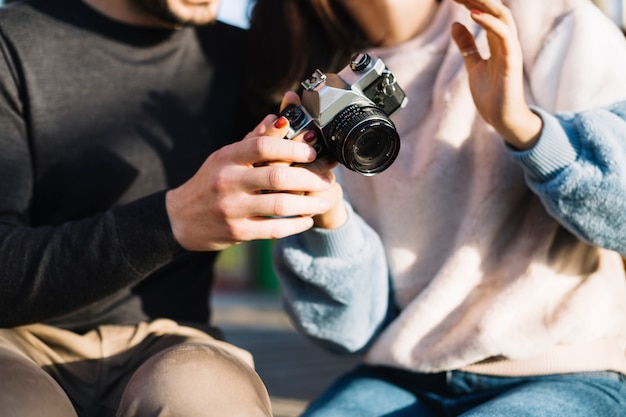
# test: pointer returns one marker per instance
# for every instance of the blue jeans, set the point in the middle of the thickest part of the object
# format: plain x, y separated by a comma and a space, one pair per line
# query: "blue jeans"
374, 391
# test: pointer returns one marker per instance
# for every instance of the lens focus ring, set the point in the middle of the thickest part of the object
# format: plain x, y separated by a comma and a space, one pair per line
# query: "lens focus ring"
363, 139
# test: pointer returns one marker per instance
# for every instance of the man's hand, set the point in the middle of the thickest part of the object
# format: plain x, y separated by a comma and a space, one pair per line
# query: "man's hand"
238, 195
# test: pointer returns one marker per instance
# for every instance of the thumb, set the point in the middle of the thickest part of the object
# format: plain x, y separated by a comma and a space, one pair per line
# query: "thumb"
267, 127
262, 127
289, 97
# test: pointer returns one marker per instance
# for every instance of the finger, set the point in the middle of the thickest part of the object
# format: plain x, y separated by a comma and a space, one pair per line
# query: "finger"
307, 136
286, 205
277, 228
271, 125
261, 128
290, 97
502, 29
493, 7
279, 128
280, 178
466, 44
263, 149
322, 166
488, 13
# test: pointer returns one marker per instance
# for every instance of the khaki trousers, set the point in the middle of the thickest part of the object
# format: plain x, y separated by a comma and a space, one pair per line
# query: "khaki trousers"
155, 369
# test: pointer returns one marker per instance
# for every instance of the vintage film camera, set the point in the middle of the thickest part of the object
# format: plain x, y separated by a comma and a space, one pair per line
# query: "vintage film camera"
350, 111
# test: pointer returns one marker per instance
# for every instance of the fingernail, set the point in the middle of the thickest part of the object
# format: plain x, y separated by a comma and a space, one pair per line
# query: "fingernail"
280, 122
476, 12
310, 136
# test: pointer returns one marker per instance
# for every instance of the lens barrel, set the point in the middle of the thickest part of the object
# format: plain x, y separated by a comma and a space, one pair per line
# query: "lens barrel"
363, 139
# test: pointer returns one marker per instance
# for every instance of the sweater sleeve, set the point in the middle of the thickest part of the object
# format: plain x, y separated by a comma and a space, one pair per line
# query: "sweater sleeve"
336, 284
49, 271
46, 272
578, 168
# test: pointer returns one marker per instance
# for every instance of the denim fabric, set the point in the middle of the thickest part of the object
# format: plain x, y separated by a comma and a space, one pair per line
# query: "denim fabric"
370, 391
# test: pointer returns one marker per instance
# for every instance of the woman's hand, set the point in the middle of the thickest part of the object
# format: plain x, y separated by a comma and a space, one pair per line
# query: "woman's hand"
496, 83
337, 215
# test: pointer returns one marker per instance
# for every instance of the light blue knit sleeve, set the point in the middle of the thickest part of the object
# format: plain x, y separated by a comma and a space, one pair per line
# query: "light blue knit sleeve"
335, 284
578, 169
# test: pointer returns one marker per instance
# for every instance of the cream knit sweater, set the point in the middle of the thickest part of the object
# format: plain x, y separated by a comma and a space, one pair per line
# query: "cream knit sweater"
486, 280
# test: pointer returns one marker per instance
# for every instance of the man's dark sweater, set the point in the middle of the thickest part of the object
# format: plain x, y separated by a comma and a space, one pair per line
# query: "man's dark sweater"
97, 120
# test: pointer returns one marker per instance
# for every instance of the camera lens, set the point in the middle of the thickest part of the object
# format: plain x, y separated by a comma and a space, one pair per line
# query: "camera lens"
363, 139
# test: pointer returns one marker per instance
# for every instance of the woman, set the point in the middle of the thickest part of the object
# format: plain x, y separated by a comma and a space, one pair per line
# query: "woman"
498, 248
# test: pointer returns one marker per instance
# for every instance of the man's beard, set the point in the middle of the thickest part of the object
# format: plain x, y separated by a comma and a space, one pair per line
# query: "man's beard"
159, 9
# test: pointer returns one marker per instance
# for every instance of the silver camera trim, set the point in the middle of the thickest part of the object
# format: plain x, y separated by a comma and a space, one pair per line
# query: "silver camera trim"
331, 100
326, 95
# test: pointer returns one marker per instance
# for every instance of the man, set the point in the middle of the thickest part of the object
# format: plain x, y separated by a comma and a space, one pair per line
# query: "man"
122, 174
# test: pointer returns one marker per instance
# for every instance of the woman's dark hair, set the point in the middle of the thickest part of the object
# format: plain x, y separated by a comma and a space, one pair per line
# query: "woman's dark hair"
292, 38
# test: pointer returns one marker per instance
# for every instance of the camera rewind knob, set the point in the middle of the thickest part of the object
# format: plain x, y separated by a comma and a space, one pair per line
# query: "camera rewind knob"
360, 61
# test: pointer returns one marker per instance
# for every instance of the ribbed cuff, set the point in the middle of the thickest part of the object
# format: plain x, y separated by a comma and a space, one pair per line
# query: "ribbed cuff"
344, 241
557, 148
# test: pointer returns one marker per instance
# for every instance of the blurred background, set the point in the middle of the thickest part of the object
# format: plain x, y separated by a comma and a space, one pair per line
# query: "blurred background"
236, 11
247, 303
615, 9
232, 11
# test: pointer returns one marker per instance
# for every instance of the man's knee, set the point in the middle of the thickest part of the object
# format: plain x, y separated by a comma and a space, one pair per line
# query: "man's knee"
26, 390
195, 379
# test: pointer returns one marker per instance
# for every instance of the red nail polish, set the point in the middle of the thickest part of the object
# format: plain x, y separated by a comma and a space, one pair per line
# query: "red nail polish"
280, 122
476, 12
310, 136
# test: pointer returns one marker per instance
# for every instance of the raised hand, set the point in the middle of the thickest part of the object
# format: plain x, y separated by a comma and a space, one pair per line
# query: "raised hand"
496, 83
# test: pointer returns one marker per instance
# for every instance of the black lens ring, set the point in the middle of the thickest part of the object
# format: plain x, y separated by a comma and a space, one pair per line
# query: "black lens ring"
374, 146
343, 133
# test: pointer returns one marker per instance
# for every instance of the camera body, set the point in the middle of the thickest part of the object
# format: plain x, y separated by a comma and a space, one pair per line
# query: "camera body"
350, 111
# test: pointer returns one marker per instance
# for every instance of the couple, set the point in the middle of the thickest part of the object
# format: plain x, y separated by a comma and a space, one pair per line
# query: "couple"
481, 271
